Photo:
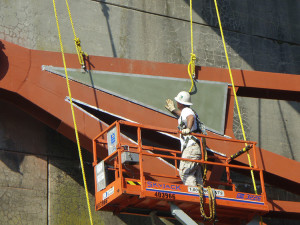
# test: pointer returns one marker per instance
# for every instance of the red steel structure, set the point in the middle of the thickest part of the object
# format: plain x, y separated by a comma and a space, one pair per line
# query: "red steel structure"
42, 95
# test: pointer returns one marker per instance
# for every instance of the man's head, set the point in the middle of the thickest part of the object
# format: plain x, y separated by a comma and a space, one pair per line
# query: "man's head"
183, 99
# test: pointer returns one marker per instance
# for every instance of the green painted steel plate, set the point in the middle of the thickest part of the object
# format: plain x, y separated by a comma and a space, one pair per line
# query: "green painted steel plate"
209, 98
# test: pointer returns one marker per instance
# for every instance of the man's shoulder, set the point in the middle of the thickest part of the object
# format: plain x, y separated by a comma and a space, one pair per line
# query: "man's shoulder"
187, 111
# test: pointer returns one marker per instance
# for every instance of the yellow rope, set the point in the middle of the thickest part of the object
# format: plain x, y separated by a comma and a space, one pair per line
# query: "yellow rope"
234, 92
205, 159
212, 203
80, 53
73, 114
191, 66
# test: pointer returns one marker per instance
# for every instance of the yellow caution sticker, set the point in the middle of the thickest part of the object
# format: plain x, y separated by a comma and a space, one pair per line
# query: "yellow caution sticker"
133, 182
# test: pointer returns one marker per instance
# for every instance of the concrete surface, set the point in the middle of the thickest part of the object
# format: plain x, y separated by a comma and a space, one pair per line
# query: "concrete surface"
23, 188
260, 36
40, 176
273, 124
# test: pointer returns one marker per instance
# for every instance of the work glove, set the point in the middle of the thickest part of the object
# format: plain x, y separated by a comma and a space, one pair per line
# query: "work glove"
170, 105
186, 131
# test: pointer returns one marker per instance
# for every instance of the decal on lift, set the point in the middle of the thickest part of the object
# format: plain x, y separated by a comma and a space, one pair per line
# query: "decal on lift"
173, 187
108, 193
159, 194
248, 197
102, 203
113, 138
172, 191
219, 193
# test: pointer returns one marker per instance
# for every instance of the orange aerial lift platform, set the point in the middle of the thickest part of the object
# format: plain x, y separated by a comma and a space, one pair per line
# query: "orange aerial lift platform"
135, 178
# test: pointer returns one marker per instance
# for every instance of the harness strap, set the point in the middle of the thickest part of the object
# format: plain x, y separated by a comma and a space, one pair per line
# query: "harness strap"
187, 141
200, 125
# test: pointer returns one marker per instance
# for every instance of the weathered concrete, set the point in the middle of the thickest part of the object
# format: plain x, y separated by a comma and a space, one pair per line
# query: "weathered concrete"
274, 124
23, 188
22, 133
67, 201
40, 176
260, 36
248, 17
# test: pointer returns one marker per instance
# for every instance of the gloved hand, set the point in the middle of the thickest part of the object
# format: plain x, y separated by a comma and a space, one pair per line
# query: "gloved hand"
170, 105
186, 131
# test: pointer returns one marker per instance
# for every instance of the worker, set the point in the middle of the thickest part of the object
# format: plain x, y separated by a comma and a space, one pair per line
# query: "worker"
190, 172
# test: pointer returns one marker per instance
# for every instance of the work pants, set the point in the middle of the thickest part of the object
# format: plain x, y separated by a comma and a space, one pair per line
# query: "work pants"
190, 172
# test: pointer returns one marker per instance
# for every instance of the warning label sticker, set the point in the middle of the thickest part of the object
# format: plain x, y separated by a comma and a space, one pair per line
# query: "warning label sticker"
108, 193
195, 190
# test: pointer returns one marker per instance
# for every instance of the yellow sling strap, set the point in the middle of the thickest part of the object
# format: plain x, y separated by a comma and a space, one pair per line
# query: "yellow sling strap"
80, 53
191, 66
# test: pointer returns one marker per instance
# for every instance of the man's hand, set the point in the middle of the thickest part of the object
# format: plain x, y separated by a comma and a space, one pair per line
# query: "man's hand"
170, 105
186, 131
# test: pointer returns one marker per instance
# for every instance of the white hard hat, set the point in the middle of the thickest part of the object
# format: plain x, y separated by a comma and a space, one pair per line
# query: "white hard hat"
183, 98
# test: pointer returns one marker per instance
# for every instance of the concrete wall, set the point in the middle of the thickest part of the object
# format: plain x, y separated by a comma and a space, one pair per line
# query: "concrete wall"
262, 36
40, 176
273, 124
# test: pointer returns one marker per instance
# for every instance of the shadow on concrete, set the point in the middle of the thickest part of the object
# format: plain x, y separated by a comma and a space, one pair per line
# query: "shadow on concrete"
270, 94
12, 161
89, 71
241, 31
251, 39
4, 64
105, 11
260, 134
286, 134
15, 144
295, 105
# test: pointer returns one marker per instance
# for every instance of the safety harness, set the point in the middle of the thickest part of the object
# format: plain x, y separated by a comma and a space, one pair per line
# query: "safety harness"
200, 129
200, 125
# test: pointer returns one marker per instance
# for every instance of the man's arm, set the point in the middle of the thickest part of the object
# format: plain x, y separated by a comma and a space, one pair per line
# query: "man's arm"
190, 122
176, 112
